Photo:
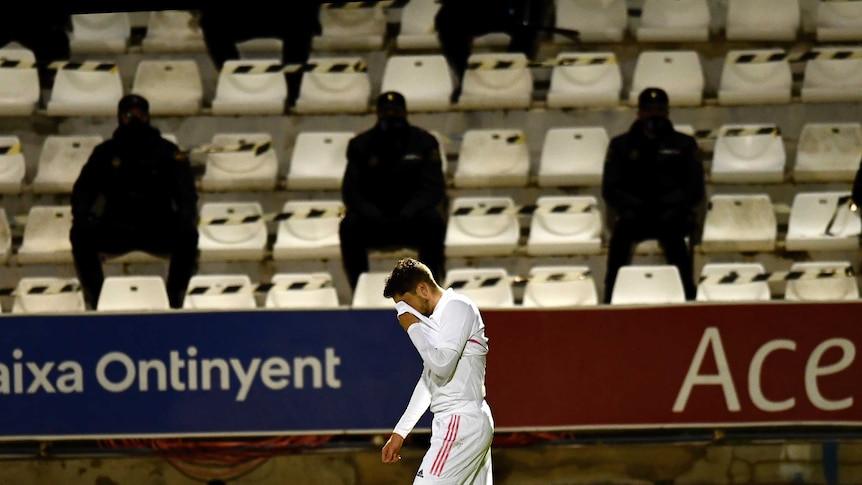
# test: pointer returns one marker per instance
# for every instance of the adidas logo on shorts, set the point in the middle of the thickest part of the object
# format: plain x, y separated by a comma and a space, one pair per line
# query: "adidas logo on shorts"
420, 475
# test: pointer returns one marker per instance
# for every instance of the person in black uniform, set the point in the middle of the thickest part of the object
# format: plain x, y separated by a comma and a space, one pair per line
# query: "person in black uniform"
393, 190
653, 183
136, 192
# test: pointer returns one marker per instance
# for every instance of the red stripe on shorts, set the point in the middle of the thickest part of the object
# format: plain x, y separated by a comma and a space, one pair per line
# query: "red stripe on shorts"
443, 453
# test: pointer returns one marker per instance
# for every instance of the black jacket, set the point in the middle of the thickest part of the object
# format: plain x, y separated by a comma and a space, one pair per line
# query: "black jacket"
857, 187
393, 176
135, 179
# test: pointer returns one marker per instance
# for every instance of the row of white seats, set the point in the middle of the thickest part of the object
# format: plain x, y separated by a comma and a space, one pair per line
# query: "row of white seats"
552, 286
559, 225
581, 79
570, 157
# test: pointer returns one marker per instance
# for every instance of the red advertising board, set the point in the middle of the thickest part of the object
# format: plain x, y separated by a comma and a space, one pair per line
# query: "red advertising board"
676, 366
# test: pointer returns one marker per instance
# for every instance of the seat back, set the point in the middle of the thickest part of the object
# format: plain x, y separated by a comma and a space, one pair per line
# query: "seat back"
424, 80
369, 291
133, 294
679, 73
172, 31
492, 158
828, 152
822, 221
487, 287
46, 235
560, 286
13, 166
82, 91
753, 77
220, 292
595, 20
482, 226
585, 80
573, 156
351, 29
565, 225
249, 93
707, 290
237, 170
417, 25
748, 154
103, 32
648, 284
739, 223
232, 242
764, 20
39, 294
838, 21
822, 288
318, 160
312, 233
19, 86
310, 291
490, 88
335, 90
673, 21
834, 75
61, 160
172, 86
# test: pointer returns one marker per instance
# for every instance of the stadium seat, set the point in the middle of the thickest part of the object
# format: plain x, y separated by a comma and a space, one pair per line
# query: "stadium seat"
5, 237
334, 91
308, 291
239, 170
351, 29
487, 287
425, 81
232, 242
648, 285
739, 223
40, 294
172, 86
748, 154
19, 86
839, 287
61, 160
565, 225
573, 157
318, 160
492, 158
172, 31
585, 80
762, 20
679, 73
100, 33
482, 226
673, 21
750, 77
369, 291
91, 88
13, 166
838, 21
133, 294
560, 286
738, 292
46, 235
220, 292
834, 76
308, 236
822, 221
595, 20
417, 30
828, 152
487, 88
242, 93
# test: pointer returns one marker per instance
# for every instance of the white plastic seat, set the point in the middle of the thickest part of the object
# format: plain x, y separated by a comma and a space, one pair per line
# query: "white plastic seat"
832, 78
834, 288
591, 80
762, 20
39, 294
648, 285
595, 20
232, 242
241, 170
240, 93
369, 291
417, 26
573, 156
61, 160
19, 86
560, 286
478, 232
748, 154
46, 235
13, 166
172, 31
828, 152
565, 225
133, 294
510, 88
822, 221
838, 21
351, 29
338, 91
673, 21
739, 223
749, 291
487, 287
100, 33
747, 79
222, 292
318, 160
492, 158
308, 236
425, 81
679, 73
172, 86
302, 291
260, 48
5, 237
86, 92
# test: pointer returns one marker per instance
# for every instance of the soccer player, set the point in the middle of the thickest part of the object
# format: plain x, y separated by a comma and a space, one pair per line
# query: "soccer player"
448, 332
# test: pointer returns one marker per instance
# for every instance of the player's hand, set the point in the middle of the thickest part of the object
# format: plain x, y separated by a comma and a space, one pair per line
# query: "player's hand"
406, 319
389, 454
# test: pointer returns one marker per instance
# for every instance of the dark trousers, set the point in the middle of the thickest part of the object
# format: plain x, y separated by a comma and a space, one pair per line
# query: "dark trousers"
626, 235
177, 242
425, 232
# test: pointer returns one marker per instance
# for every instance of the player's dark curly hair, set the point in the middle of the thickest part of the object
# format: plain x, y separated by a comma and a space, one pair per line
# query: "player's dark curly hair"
406, 276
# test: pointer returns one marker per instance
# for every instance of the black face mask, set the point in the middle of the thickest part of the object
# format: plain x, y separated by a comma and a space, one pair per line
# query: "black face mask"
392, 124
656, 125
